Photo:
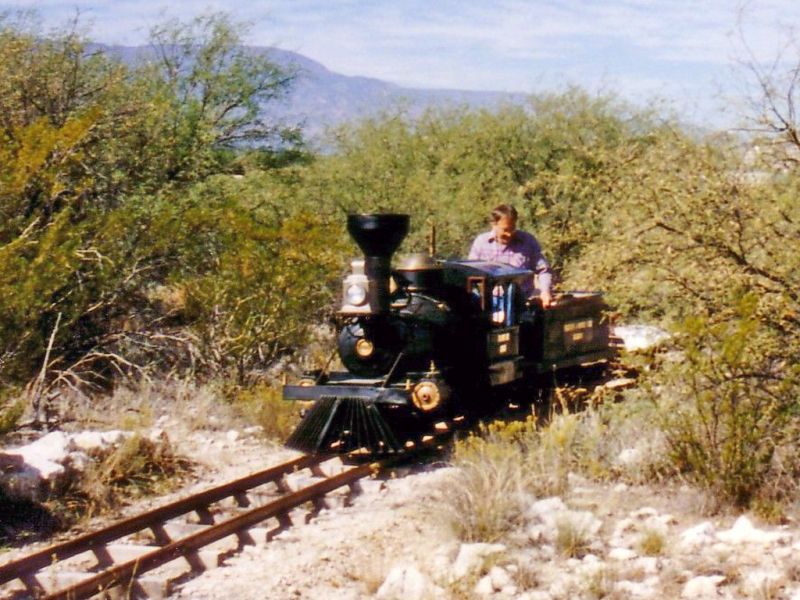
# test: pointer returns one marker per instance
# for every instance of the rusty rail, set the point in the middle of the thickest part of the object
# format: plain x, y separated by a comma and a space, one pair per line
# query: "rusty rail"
27, 568
124, 573
96, 541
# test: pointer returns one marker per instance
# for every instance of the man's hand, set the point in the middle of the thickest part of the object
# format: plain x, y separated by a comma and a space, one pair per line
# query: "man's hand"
547, 299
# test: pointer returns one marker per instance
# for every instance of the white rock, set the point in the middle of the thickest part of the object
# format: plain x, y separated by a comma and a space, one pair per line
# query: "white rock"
630, 456
97, 441
500, 577
576, 480
743, 532
639, 337
590, 559
647, 564
536, 595
635, 589
553, 514
661, 522
51, 448
30, 471
472, 556
535, 533
793, 593
704, 586
620, 487
232, 435
441, 562
484, 586
544, 508
758, 582
405, 582
622, 554
698, 535
509, 590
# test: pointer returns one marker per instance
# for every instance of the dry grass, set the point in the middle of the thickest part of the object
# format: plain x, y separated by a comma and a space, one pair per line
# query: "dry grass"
214, 406
485, 498
651, 542
136, 468
505, 465
572, 538
264, 406
600, 583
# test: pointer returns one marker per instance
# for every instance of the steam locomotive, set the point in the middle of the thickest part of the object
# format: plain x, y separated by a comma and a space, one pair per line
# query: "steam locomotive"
432, 340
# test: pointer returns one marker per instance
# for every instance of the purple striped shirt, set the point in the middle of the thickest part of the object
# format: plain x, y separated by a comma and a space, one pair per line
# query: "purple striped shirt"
522, 252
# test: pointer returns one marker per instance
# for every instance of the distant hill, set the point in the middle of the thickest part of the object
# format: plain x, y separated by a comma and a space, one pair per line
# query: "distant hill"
320, 98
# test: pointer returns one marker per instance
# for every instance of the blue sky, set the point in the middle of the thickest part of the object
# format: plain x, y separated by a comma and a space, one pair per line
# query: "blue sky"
684, 51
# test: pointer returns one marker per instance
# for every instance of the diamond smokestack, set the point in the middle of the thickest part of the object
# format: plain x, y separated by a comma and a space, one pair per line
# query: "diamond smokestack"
378, 236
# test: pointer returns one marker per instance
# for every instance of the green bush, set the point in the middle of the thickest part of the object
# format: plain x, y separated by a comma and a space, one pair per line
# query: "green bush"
729, 409
12, 407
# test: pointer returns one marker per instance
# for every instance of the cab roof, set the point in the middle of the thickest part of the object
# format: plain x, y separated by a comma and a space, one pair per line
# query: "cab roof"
493, 270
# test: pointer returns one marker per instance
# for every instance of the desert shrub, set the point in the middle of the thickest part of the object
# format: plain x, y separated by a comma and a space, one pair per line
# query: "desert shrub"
451, 166
729, 409
99, 222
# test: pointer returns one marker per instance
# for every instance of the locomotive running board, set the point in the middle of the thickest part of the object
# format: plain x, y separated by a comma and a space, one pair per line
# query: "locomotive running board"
344, 424
371, 394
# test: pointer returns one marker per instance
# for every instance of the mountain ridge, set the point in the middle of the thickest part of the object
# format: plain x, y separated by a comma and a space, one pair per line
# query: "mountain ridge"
320, 98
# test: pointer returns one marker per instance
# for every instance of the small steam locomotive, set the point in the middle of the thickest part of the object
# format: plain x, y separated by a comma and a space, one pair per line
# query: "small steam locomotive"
432, 340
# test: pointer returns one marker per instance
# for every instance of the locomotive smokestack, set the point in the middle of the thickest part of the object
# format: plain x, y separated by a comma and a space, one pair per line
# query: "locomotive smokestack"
378, 236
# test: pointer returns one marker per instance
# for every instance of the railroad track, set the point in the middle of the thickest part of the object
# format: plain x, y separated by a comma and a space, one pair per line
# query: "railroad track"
119, 569
114, 561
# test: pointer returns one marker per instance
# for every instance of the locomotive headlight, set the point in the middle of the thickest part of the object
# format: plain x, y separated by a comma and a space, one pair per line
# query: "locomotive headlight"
364, 348
355, 295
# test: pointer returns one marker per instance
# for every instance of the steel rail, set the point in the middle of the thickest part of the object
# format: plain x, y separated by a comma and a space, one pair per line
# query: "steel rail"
97, 539
123, 574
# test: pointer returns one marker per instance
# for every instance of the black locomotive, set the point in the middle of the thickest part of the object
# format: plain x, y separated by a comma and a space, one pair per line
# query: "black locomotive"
434, 339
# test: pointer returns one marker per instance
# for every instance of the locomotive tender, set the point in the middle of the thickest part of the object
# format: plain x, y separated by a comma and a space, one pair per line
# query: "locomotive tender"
434, 339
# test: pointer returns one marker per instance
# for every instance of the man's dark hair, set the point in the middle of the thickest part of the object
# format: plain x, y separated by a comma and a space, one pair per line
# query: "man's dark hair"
504, 210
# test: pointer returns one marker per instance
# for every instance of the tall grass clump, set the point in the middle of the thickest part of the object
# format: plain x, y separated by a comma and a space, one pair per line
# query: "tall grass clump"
485, 498
501, 468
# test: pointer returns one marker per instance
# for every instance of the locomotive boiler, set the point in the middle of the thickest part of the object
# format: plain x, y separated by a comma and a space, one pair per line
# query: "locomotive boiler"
433, 339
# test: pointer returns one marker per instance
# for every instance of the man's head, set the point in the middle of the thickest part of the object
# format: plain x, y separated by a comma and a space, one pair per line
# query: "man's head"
504, 223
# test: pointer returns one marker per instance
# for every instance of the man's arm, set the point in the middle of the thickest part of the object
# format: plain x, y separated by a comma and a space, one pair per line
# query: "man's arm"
542, 270
475, 250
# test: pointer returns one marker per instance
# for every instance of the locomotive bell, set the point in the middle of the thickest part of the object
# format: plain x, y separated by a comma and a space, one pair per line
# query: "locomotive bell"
378, 236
